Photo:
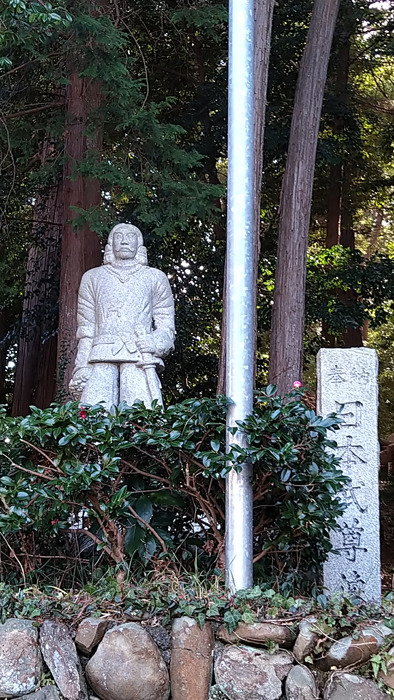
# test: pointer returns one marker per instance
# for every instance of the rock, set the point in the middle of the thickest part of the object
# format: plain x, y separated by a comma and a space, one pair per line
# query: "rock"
383, 629
60, 655
306, 639
128, 666
217, 649
348, 651
300, 684
191, 659
246, 673
258, 633
20, 658
346, 686
163, 641
90, 632
48, 692
216, 694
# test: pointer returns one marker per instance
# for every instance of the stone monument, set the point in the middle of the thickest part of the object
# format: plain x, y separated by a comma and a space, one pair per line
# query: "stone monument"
348, 378
125, 325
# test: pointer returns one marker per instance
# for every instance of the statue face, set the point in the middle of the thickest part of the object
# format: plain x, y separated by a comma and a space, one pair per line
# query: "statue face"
125, 244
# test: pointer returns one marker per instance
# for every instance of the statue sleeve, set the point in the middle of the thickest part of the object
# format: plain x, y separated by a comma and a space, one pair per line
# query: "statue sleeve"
86, 321
163, 316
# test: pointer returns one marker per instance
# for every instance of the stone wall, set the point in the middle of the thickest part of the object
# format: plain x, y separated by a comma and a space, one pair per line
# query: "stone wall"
133, 661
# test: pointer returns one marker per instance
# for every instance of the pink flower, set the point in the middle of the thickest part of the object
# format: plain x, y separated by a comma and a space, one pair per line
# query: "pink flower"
82, 413
296, 385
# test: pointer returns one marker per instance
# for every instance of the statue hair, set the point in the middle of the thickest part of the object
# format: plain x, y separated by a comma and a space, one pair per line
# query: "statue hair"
141, 255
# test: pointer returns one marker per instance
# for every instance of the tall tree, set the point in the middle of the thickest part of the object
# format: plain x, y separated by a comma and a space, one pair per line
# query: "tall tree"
80, 244
35, 368
288, 317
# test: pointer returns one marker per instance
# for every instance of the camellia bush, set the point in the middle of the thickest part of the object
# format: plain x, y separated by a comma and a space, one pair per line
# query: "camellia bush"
142, 484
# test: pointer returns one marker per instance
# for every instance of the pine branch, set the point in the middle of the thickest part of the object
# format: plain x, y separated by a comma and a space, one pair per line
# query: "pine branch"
28, 63
34, 110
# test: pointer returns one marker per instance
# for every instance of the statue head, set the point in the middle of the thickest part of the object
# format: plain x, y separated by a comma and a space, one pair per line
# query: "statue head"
125, 242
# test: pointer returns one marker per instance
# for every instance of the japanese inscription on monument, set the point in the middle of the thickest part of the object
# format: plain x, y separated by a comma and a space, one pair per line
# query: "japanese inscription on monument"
348, 379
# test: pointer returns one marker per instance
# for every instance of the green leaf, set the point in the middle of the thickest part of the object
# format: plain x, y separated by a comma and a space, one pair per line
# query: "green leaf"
249, 617
134, 538
144, 508
231, 619
201, 619
271, 390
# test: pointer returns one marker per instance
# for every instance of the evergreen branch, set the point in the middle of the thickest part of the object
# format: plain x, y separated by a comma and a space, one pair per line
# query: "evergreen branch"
28, 63
143, 61
34, 110
149, 527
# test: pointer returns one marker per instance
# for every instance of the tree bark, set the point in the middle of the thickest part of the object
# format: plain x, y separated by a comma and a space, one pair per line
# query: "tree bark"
336, 169
263, 14
334, 206
80, 246
352, 337
3, 356
373, 244
41, 291
288, 318
339, 219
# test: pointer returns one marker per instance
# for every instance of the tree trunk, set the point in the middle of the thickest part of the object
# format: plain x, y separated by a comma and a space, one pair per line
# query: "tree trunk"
288, 318
263, 13
46, 390
3, 356
41, 291
352, 337
376, 232
80, 246
336, 170
334, 203
334, 206
373, 244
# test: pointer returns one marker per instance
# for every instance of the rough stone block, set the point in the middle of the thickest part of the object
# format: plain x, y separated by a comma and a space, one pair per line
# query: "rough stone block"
20, 658
247, 673
191, 659
90, 632
128, 666
60, 654
258, 633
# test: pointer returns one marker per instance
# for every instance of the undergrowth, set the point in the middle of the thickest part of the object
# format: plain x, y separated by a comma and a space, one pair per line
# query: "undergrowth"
82, 489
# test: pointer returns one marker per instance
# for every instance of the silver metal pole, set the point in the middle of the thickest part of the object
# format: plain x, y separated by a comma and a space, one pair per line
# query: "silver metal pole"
239, 345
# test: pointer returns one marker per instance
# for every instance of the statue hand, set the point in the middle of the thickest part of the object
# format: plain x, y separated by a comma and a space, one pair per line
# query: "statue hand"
78, 381
145, 342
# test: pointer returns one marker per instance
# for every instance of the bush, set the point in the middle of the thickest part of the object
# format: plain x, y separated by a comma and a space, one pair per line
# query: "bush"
140, 483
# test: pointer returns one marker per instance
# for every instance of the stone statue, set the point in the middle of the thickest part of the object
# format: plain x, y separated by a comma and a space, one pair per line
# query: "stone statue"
125, 325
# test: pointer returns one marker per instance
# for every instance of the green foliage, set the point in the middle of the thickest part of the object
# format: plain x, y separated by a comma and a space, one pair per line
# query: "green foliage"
28, 26
382, 340
297, 480
334, 271
155, 155
143, 483
163, 74
331, 274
